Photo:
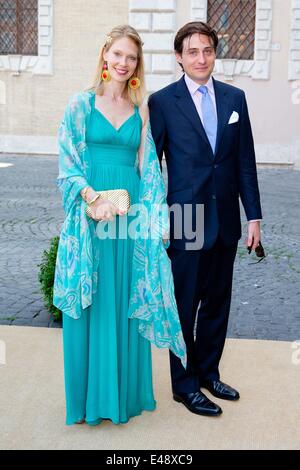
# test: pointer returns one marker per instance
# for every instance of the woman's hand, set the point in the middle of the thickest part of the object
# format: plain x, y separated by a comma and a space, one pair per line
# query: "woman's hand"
104, 211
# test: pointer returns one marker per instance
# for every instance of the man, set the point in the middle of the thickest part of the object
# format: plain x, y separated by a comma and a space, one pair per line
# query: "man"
202, 126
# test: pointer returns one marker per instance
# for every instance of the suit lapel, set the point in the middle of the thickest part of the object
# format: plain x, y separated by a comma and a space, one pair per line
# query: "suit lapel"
223, 110
187, 107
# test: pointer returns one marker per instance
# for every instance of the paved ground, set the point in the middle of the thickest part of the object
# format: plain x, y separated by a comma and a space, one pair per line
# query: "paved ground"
266, 296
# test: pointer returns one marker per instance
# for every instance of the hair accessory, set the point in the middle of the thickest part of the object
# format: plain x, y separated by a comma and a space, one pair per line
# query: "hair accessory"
108, 39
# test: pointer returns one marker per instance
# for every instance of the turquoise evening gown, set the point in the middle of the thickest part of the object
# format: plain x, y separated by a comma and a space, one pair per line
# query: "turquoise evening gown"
108, 369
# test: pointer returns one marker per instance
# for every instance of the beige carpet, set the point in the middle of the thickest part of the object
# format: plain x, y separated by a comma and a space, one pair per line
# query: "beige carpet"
32, 414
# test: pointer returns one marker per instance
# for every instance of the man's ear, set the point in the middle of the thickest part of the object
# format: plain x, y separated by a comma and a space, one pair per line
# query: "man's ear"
178, 58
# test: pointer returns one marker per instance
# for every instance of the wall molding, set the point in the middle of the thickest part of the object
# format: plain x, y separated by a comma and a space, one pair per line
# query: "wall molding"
42, 64
294, 49
29, 144
259, 68
156, 22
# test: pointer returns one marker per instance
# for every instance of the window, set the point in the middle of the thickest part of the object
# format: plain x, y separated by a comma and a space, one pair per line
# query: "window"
19, 27
234, 21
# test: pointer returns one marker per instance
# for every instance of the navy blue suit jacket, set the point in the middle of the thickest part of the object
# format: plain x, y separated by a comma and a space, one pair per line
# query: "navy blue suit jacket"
195, 174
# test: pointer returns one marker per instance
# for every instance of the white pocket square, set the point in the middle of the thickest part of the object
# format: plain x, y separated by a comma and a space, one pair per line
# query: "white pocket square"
234, 118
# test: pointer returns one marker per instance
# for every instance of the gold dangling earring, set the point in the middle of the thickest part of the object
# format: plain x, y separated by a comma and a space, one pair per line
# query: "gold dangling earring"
134, 83
105, 75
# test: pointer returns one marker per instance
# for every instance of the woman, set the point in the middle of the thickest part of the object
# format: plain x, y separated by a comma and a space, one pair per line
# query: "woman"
116, 293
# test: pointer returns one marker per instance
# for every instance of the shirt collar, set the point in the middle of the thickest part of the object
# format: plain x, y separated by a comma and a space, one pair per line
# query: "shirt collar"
193, 86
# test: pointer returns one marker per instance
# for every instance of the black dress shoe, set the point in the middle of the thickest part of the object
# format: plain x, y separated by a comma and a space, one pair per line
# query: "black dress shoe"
198, 403
221, 390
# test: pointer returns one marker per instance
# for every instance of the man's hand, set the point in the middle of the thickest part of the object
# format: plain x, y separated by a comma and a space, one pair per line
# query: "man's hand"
253, 234
166, 241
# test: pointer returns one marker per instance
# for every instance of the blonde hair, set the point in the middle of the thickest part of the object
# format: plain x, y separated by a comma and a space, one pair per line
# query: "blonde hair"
136, 97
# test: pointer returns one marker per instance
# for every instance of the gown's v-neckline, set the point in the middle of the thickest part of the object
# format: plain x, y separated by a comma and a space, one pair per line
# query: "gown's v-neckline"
108, 121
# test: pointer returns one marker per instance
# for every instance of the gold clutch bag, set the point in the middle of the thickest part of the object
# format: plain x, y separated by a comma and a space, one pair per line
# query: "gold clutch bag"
119, 197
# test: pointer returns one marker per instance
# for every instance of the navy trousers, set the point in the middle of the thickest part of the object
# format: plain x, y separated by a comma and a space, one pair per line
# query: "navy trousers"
204, 276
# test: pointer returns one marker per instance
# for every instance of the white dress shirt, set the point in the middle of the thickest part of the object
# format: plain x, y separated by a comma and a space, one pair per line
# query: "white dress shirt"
197, 96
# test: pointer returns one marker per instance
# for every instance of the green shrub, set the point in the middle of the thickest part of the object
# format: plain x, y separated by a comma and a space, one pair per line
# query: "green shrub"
46, 278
